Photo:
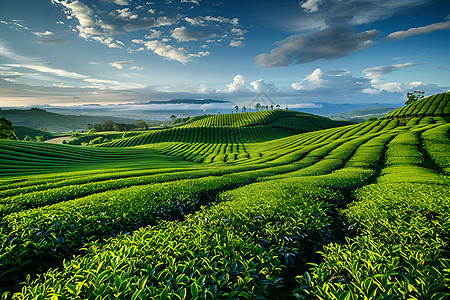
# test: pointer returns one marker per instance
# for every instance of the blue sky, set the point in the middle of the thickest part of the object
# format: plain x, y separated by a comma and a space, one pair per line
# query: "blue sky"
65, 52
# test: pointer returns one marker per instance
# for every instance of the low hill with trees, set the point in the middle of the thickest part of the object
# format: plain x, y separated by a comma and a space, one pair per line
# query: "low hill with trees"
6, 130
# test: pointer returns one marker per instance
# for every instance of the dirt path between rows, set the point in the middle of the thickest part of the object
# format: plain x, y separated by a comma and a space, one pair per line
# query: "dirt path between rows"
59, 140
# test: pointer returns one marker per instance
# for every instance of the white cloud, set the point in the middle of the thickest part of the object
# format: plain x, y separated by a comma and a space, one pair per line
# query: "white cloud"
305, 105
191, 1
121, 2
63, 85
204, 89
5, 51
236, 44
136, 68
166, 21
311, 81
110, 42
238, 84
167, 51
127, 14
155, 34
398, 35
119, 64
375, 75
260, 86
182, 35
44, 33
44, 69
238, 31
310, 6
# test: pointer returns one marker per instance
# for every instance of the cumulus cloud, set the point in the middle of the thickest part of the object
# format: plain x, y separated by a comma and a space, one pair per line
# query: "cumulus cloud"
43, 33
204, 89
181, 34
238, 31
154, 34
167, 51
260, 86
398, 35
311, 81
121, 2
166, 21
90, 26
127, 14
336, 82
170, 52
330, 43
236, 43
238, 84
119, 64
376, 74
310, 6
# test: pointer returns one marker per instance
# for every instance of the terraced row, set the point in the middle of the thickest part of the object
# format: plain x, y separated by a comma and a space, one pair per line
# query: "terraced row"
294, 120
434, 106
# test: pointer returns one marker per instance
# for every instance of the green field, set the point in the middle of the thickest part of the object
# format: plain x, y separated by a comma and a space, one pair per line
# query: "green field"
264, 205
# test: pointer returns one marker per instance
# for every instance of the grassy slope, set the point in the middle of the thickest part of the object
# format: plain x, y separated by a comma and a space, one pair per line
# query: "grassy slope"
234, 128
277, 204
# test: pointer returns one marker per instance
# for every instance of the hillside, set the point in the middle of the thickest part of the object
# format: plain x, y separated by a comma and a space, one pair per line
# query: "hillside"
234, 128
6, 130
23, 131
361, 115
352, 212
432, 106
53, 122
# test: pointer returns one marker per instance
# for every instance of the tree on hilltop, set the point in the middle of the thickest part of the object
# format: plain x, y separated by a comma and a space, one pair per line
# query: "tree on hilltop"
414, 96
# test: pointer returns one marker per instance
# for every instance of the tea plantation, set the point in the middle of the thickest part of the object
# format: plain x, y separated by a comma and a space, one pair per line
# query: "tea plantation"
264, 205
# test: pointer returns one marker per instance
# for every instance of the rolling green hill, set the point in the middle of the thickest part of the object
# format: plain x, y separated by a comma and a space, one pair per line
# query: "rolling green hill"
432, 106
53, 122
352, 212
23, 131
234, 128
6, 130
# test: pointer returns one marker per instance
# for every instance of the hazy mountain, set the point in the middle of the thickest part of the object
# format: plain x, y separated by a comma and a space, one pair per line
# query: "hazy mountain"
54, 122
363, 114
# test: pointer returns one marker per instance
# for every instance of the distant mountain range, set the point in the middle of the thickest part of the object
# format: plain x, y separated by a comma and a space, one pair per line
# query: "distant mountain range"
363, 114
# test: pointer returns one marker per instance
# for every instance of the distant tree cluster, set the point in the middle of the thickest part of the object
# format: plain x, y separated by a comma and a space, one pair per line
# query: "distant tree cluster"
113, 126
181, 120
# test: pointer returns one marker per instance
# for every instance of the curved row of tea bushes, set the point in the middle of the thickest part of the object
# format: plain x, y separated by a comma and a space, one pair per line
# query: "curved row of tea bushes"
240, 248
435, 105
402, 250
